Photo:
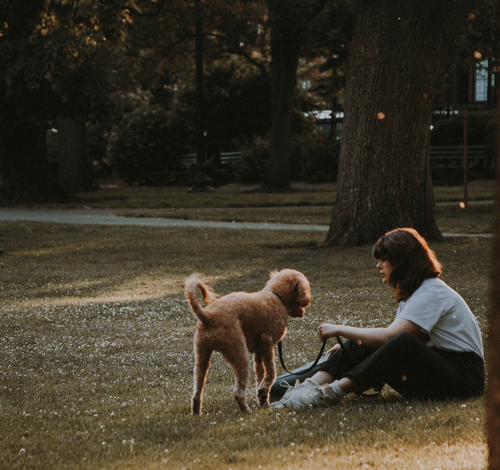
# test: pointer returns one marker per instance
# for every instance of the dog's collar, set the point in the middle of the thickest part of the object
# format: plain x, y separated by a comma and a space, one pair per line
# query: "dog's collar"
279, 297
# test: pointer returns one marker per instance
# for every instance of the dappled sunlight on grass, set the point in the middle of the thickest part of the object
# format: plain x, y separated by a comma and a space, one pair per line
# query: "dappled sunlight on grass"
140, 289
461, 455
97, 355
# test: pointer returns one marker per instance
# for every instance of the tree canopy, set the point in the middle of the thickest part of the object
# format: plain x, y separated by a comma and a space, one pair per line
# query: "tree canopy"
53, 62
69, 59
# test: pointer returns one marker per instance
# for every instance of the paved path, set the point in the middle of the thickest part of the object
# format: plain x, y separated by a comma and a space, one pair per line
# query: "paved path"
109, 217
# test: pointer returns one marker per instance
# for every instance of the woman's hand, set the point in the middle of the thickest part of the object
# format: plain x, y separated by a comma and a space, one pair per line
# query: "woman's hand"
327, 330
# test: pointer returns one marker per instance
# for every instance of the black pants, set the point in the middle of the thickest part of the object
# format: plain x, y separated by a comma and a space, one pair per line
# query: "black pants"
408, 366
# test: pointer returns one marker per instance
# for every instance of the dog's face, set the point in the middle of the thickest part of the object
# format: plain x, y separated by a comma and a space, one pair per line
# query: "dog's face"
293, 287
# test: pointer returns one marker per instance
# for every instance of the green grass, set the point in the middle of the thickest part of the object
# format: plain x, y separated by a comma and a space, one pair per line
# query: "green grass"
96, 355
120, 196
476, 218
306, 204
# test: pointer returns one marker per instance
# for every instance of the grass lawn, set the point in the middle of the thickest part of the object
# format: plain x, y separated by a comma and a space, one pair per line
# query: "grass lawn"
306, 204
96, 357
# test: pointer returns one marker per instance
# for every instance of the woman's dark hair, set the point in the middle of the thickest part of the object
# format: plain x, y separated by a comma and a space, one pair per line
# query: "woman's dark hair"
411, 258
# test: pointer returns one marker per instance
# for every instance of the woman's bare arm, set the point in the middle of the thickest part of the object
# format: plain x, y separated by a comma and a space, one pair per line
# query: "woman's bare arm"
372, 337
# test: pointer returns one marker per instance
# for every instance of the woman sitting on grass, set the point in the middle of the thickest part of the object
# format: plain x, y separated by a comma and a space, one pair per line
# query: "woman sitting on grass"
432, 350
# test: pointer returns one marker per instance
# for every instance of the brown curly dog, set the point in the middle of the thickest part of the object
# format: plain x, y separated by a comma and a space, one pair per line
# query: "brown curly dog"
241, 323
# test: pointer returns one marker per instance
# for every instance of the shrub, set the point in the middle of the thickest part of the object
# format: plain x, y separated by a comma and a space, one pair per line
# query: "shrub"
312, 160
254, 162
315, 161
481, 129
146, 143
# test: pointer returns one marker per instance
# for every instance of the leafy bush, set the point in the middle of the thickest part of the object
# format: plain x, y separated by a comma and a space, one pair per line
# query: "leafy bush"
315, 161
146, 143
450, 130
481, 131
254, 162
312, 160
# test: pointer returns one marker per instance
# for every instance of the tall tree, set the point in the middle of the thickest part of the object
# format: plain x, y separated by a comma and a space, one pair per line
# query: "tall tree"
50, 68
384, 179
187, 41
22, 138
290, 21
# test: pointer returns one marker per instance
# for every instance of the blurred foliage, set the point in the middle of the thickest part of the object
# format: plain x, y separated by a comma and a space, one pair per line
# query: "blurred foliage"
472, 29
147, 142
253, 164
55, 54
313, 160
60, 57
481, 130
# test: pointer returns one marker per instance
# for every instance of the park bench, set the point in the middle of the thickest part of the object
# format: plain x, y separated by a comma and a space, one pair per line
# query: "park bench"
447, 162
219, 170
226, 158
183, 173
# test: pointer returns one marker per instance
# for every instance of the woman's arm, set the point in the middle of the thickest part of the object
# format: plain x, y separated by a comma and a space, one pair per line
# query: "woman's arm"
372, 337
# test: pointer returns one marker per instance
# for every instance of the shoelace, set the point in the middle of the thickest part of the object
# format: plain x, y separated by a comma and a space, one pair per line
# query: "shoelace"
284, 384
315, 398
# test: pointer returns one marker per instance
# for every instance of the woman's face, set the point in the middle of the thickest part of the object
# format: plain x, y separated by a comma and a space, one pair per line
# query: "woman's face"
385, 269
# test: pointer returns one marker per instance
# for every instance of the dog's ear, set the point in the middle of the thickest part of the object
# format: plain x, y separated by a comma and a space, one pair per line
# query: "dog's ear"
303, 291
273, 274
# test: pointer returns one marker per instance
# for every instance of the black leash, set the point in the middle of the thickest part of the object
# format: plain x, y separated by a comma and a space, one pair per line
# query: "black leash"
280, 350
346, 351
310, 368
366, 395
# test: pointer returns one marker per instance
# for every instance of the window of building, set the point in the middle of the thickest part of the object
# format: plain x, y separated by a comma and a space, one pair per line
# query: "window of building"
481, 81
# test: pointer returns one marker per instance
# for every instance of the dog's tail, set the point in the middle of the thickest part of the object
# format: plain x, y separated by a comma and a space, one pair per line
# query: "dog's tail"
194, 282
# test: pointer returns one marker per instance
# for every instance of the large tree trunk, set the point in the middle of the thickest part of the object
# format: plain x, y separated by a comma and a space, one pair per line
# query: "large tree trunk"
285, 47
384, 176
73, 174
493, 346
24, 169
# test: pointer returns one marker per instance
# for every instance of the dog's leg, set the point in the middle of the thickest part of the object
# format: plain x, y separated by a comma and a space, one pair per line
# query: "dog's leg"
238, 358
266, 355
258, 367
259, 374
203, 357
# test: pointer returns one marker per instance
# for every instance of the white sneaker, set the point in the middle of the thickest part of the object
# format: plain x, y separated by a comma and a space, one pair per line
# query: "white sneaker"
305, 394
317, 396
286, 396
292, 393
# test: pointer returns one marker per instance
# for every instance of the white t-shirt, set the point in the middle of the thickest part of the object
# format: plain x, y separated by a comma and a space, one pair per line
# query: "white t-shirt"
442, 314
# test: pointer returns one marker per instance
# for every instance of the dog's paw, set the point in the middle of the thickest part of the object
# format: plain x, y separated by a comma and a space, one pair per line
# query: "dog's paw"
263, 396
196, 407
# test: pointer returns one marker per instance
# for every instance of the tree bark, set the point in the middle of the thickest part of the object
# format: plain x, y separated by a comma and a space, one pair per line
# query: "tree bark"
285, 59
290, 20
384, 176
24, 169
493, 346
73, 174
